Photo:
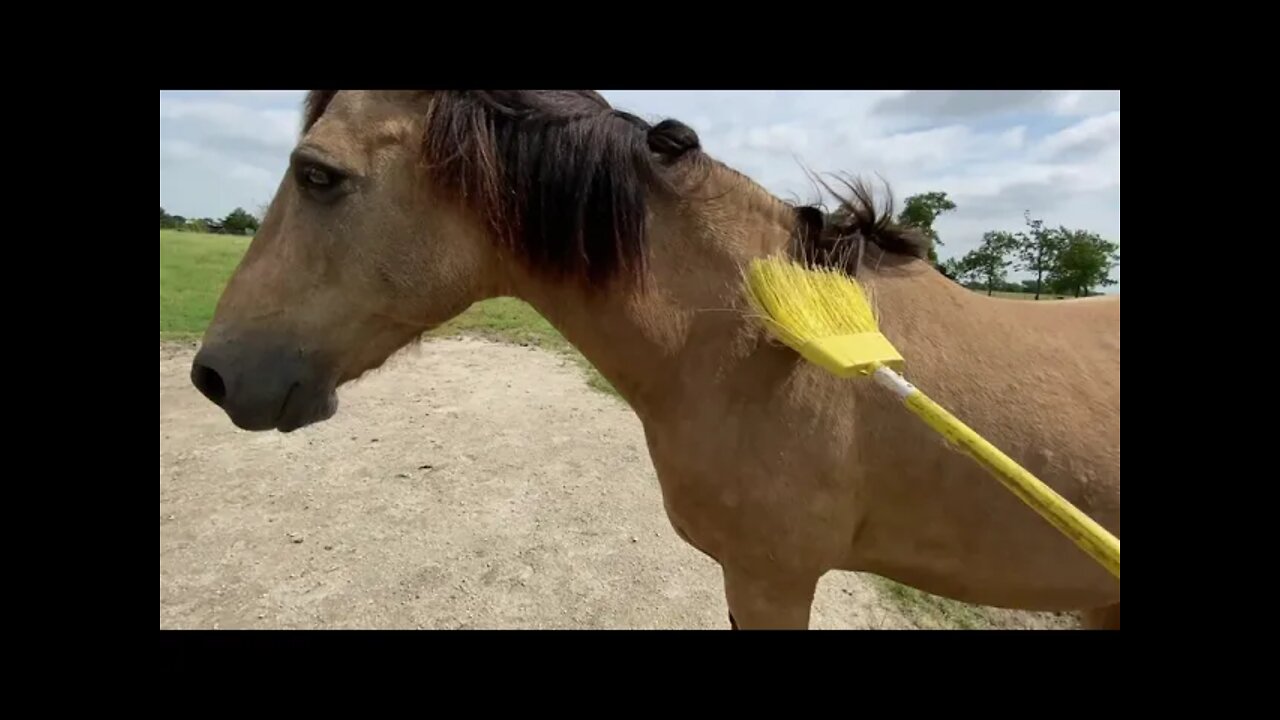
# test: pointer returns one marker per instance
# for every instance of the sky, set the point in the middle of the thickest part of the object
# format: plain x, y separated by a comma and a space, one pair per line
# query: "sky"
995, 153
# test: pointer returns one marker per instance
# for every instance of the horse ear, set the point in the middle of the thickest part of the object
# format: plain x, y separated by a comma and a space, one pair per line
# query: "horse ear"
810, 222
672, 138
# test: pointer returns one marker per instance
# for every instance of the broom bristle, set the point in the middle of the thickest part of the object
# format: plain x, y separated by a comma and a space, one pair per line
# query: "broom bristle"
803, 304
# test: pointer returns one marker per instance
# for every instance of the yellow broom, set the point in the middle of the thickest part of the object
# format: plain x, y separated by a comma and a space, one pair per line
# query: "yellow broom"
825, 316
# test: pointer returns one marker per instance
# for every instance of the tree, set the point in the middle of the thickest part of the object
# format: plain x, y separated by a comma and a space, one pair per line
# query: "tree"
238, 222
1084, 261
952, 269
1038, 250
171, 221
989, 262
919, 211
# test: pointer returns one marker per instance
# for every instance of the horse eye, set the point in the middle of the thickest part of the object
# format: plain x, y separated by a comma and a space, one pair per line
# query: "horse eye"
316, 177
323, 183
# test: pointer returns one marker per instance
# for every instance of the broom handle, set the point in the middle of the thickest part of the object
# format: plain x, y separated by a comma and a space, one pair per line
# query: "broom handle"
1083, 530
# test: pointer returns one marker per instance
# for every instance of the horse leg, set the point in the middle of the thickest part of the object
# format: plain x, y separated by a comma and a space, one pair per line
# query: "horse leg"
1104, 618
768, 601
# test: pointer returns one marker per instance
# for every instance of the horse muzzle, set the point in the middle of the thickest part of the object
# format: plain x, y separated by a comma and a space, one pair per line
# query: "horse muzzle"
271, 387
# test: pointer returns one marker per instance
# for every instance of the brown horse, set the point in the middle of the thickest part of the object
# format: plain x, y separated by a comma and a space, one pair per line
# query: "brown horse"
401, 209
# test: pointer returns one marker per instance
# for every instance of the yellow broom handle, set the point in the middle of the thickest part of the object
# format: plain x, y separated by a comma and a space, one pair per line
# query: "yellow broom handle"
1087, 534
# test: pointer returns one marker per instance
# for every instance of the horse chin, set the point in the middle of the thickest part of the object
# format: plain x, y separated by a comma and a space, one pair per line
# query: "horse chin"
306, 408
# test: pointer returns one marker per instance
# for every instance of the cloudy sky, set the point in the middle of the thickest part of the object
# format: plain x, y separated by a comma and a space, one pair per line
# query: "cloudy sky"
995, 154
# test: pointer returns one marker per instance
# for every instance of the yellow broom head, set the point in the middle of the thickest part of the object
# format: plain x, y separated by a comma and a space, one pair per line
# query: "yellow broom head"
821, 313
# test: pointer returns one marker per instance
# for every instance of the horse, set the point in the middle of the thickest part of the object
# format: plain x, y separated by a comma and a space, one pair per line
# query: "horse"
401, 208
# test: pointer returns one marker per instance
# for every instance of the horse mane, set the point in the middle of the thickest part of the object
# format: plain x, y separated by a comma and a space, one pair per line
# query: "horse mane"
832, 238
316, 103
560, 177
563, 180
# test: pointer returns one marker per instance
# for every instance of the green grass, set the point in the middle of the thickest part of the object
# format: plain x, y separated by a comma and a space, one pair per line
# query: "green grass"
508, 320
194, 268
929, 611
511, 320
1023, 295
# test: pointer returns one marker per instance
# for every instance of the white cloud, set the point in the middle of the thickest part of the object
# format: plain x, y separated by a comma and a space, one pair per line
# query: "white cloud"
1090, 136
179, 150
1079, 102
969, 104
273, 127
222, 150
1014, 137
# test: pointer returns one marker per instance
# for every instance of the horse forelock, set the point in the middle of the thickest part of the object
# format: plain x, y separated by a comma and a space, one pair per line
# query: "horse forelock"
314, 106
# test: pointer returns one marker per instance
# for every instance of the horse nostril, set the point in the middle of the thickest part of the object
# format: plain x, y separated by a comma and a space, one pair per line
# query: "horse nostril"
209, 383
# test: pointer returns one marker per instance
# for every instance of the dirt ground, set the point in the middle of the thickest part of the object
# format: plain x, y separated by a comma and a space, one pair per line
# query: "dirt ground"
468, 484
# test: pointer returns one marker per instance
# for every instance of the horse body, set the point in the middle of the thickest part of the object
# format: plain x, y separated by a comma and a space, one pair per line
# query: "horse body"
1038, 381
774, 468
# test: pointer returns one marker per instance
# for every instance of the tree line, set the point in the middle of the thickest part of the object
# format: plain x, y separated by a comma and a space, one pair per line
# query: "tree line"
237, 222
1065, 261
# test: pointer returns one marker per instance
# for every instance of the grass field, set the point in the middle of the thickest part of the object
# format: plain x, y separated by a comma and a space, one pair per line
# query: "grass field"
193, 270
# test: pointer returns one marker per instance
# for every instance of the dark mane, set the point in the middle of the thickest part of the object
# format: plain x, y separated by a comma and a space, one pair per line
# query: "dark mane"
832, 238
561, 178
316, 103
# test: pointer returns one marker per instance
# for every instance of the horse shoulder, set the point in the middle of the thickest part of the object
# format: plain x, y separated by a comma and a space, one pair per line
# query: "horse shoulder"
766, 476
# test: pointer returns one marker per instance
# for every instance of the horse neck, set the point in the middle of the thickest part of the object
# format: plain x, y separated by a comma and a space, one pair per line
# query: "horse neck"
909, 293
688, 318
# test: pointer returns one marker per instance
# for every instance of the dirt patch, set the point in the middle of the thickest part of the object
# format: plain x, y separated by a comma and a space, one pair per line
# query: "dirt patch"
469, 484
